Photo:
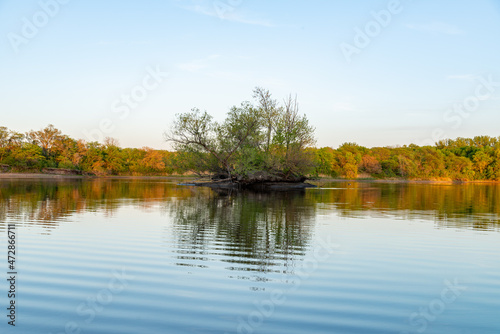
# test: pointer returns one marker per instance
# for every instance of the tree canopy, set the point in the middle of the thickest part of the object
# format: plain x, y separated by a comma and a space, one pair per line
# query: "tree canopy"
267, 137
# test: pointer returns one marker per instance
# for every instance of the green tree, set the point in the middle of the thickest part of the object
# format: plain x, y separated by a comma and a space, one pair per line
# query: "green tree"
269, 110
196, 133
265, 138
481, 161
326, 162
293, 136
27, 156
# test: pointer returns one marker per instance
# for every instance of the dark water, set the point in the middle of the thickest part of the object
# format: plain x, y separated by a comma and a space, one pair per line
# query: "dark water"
147, 256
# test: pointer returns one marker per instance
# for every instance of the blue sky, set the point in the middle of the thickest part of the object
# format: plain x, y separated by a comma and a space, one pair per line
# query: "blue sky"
425, 70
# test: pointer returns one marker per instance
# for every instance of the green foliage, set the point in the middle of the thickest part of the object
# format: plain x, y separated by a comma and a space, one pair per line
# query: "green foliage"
266, 137
326, 162
462, 159
27, 156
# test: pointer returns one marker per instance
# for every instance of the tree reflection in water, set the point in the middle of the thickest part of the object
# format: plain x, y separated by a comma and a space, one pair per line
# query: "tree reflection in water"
253, 231
469, 205
250, 220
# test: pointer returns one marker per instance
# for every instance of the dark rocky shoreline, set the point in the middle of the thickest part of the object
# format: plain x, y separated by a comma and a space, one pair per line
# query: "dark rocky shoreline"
257, 180
261, 186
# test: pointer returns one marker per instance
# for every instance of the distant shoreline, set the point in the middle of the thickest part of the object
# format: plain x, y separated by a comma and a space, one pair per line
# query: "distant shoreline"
316, 182
401, 181
56, 176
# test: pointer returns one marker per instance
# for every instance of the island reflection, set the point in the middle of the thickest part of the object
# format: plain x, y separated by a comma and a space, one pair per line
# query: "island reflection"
253, 231
235, 215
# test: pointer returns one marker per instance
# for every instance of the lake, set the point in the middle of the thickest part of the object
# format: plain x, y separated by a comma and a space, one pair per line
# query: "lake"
149, 256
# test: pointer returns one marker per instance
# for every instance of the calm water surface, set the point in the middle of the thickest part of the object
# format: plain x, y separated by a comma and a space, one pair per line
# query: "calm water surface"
148, 256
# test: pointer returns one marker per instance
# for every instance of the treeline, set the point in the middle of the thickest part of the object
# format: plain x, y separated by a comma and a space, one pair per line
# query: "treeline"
49, 148
464, 159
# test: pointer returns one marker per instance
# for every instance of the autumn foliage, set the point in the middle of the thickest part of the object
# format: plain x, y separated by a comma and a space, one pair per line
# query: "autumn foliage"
464, 159
49, 148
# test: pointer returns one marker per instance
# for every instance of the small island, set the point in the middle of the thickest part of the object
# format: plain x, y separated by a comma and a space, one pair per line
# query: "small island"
263, 146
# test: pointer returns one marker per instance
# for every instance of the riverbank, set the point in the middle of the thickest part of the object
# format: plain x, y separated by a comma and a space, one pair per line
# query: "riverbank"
315, 182
57, 176
39, 176
392, 180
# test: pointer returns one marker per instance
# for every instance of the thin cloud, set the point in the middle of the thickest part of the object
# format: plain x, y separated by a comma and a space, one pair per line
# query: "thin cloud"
228, 13
121, 43
436, 27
